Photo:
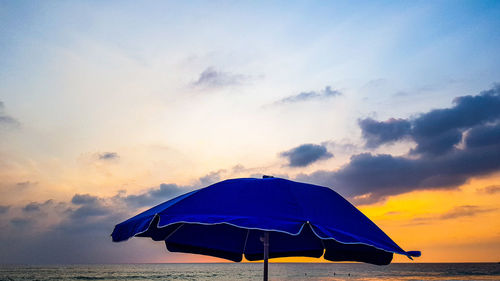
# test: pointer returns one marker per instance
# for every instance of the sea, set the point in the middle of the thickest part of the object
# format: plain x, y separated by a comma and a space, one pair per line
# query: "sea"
253, 271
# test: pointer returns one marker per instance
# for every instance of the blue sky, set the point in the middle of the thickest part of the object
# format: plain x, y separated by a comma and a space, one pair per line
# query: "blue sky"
118, 98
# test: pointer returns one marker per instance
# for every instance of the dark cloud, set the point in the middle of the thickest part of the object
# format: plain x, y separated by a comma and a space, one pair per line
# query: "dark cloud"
87, 206
164, 191
437, 161
21, 222
32, 207
376, 133
312, 95
81, 232
491, 189
6, 120
467, 112
483, 136
211, 78
378, 176
36, 207
90, 205
90, 210
306, 154
108, 156
83, 199
211, 178
437, 144
464, 211
4, 209
455, 213
439, 131
154, 196
81, 235
75, 241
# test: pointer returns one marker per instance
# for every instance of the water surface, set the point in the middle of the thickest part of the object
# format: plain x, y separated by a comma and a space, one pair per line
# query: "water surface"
245, 271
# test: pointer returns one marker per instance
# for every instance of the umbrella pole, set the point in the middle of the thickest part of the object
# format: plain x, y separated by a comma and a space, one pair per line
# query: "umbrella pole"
266, 254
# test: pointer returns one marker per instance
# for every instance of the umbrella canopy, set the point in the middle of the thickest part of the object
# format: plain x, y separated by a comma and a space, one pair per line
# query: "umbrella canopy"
229, 219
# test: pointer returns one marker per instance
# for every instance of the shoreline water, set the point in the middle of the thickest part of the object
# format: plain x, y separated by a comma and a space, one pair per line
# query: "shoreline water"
258, 262
253, 271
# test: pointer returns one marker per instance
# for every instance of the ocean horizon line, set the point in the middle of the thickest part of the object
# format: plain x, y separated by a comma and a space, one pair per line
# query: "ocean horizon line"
250, 263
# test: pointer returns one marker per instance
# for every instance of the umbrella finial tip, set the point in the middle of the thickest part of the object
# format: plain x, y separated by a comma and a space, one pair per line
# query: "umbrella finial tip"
267, 177
414, 253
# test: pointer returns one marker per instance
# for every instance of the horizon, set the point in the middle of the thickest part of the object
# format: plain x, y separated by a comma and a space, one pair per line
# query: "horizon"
108, 109
271, 261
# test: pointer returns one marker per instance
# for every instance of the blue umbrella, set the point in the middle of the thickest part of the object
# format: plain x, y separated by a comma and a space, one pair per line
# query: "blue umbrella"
261, 219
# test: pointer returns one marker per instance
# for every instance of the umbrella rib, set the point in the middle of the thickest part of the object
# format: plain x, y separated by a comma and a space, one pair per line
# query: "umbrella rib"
246, 239
171, 233
358, 243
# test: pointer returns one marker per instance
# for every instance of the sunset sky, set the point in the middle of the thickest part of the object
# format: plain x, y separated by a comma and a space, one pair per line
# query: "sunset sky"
110, 107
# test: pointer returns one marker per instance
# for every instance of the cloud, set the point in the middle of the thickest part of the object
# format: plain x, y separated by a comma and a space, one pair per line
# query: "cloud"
211, 78
439, 131
438, 144
69, 233
108, 156
383, 175
455, 213
6, 120
83, 199
88, 206
36, 207
31, 207
238, 168
276, 175
306, 154
464, 211
491, 189
25, 184
164, 191
21, 222
307, 96
483, 136
368, 178
78, 231
154, 196
253, 172
4, 209
211, 178
86, 211
376, 133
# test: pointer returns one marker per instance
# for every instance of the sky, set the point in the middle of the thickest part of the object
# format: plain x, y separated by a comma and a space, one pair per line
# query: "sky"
110, 107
